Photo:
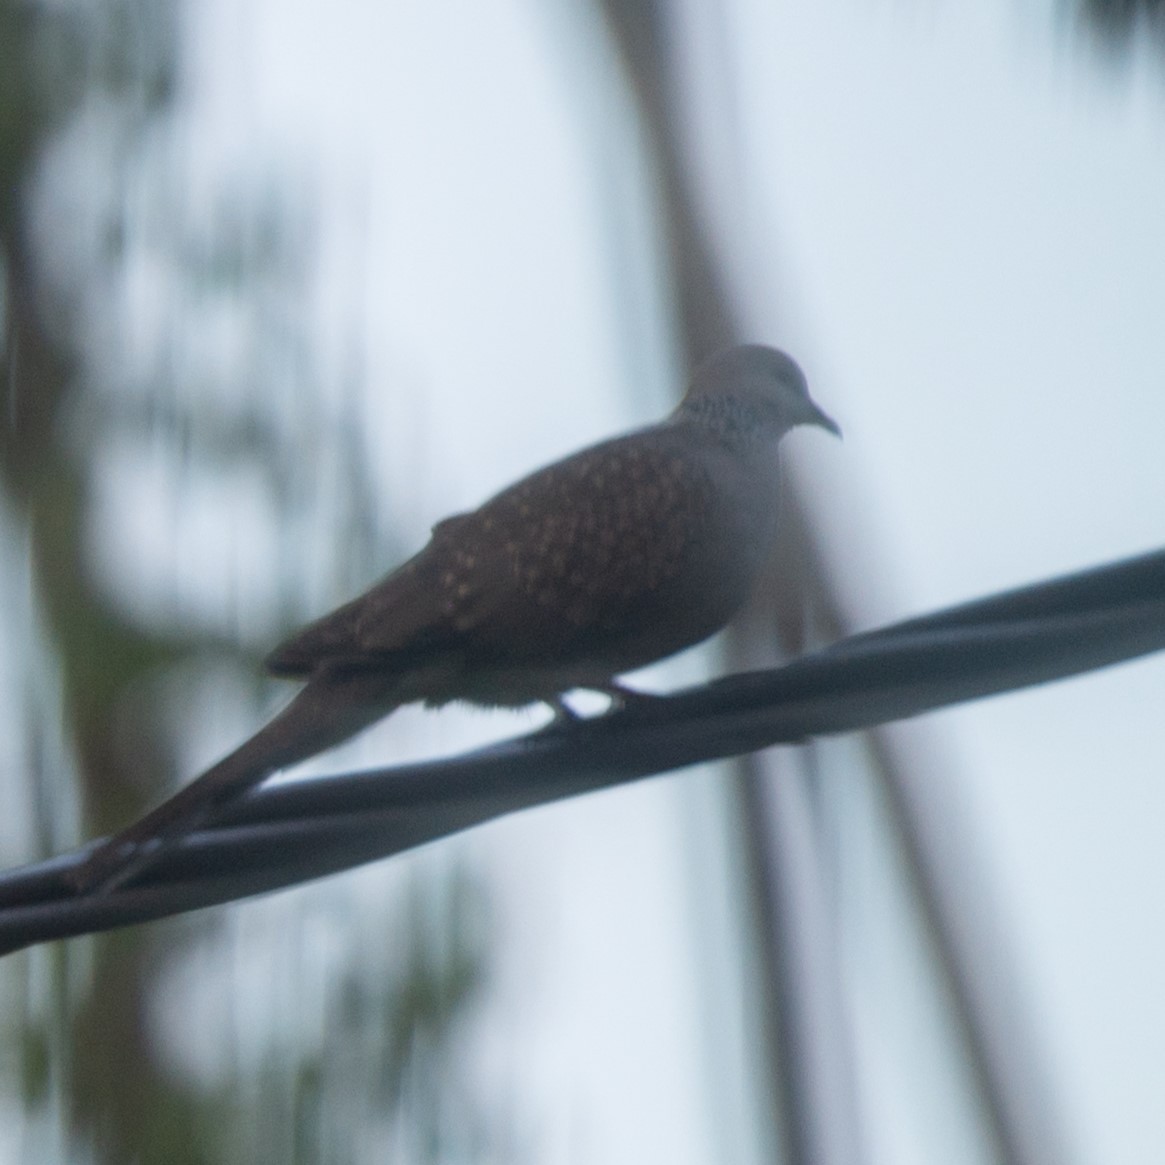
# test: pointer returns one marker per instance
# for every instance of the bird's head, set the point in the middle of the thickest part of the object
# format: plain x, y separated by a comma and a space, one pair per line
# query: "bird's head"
753, 389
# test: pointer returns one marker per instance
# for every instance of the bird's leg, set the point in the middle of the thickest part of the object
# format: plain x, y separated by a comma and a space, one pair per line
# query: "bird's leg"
564, 714
622, 699
325, 713
626, 699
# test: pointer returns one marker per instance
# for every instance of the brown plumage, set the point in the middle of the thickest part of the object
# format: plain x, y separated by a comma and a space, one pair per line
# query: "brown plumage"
603, 562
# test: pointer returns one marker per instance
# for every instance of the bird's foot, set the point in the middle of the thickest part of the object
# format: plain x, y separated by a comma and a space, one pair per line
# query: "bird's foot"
621, 700
564, 714
628, 700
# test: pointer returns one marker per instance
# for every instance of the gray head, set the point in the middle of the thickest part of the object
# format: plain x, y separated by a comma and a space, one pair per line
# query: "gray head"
753, 388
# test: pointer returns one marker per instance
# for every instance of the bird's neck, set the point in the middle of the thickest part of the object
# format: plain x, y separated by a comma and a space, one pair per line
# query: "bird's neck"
728, 419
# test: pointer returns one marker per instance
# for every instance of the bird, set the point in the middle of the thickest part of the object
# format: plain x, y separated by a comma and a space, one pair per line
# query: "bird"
617, 556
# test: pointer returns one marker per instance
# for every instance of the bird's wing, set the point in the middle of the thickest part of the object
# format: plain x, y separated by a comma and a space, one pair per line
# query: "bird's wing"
400, 614
566, 555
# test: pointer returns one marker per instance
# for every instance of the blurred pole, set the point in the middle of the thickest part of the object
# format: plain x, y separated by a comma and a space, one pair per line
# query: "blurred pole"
641, 31
809, 1056
810, 1049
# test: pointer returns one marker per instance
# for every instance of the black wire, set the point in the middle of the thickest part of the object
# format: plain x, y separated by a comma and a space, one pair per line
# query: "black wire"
276, 837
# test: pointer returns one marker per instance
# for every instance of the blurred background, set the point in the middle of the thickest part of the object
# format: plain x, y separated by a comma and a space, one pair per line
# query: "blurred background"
283, 283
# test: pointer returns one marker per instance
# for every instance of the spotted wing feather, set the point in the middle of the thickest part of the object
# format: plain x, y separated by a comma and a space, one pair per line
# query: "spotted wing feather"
565, 558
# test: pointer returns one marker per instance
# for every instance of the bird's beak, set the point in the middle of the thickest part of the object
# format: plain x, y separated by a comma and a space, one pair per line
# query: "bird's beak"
817, 417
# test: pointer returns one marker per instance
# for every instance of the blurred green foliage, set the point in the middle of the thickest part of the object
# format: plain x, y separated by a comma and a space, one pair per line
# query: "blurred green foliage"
91, 1078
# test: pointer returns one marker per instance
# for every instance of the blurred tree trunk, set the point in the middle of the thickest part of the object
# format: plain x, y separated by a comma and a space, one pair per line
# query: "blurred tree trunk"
52, 60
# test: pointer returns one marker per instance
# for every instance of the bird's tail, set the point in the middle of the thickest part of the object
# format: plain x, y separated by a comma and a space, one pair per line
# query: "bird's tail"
327, 711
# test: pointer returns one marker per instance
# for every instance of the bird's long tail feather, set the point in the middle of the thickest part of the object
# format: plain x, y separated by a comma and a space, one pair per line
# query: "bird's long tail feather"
329, 710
